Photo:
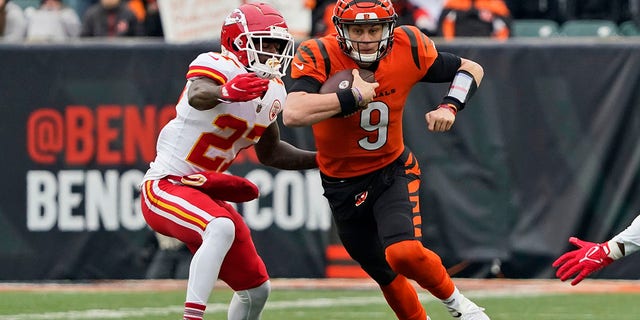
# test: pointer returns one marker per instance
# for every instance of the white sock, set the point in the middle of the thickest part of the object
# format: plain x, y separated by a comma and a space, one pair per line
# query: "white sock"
454, 299
248, 304
206, 262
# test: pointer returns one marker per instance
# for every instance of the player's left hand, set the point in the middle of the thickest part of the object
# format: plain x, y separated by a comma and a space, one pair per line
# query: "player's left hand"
589, 258
440, 119
366, 90
244, 87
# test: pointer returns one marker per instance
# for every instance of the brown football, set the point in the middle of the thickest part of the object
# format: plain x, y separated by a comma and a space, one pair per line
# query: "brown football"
343, 79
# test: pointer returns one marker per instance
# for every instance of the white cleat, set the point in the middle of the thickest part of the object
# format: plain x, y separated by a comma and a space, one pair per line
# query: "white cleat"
467, 310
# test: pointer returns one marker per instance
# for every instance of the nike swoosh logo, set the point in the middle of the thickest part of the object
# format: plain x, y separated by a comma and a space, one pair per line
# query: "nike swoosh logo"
299, 66
454, 313
233, 86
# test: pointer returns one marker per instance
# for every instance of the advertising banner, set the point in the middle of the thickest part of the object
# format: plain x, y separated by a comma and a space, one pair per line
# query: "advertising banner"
80, 127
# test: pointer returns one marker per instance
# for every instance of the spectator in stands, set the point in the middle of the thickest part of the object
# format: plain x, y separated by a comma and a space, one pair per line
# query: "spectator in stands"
426, 14
81, 6
475, 18
13, 24
556, 10
152, 21
148, 15
52, 21
321, 12
110, 18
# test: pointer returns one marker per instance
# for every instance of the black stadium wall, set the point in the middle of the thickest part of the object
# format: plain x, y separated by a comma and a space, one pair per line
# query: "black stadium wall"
548, 148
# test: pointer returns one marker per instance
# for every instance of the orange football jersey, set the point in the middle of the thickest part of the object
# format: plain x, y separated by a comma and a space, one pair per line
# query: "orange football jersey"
371, 138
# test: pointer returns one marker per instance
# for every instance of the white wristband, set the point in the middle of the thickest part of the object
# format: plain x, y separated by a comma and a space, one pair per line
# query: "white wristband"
614, 250
462, 86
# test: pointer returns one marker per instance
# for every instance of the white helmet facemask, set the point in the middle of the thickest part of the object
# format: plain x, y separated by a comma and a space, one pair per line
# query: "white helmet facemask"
276, 63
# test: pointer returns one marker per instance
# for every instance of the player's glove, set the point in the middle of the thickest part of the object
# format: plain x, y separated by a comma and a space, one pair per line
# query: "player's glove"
243, 87
590, 257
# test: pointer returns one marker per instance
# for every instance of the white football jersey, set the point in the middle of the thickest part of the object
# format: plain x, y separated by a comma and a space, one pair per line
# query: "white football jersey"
209, 140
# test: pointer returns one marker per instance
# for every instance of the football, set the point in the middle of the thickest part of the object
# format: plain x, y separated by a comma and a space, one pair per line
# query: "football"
343, 79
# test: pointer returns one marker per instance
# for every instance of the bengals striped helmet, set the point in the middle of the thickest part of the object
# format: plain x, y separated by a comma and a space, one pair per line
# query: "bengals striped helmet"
364, 12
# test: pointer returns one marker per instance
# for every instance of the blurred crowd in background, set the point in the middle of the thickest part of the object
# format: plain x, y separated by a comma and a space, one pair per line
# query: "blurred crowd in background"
59, 20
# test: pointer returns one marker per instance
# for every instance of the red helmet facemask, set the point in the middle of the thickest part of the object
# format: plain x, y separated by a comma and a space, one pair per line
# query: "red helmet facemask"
364, 12
245, 32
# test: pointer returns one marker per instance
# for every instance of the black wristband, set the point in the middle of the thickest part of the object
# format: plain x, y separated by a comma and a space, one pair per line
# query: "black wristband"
451, 100
348, 103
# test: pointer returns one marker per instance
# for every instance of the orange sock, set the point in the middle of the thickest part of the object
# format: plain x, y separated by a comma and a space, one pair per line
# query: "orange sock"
403, 299
411, 259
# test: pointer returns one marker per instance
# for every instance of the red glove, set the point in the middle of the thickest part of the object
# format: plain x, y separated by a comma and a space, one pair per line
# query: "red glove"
244, 87
589, 258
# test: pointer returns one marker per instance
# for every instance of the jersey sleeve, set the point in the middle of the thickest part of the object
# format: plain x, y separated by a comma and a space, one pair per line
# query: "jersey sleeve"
423, 50
630, 237
213, 65
309, 61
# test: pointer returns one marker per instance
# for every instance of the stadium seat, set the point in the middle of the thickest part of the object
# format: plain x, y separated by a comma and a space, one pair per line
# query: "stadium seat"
589, 28
629, 28
534, 28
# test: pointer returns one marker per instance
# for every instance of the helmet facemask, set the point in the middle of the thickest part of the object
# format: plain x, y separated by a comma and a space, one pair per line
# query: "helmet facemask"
266, 64
352, 46
244, 33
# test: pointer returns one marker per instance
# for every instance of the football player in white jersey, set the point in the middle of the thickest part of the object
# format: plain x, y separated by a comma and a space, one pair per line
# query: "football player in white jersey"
591, 257
230, 102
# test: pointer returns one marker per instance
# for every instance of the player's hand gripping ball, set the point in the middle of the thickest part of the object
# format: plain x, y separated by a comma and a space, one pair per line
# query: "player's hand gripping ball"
344, 80
360, 83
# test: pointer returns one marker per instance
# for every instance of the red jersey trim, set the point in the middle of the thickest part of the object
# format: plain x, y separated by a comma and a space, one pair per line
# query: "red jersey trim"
200, 71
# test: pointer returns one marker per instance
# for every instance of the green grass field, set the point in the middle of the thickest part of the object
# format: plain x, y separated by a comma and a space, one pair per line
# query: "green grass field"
308, 305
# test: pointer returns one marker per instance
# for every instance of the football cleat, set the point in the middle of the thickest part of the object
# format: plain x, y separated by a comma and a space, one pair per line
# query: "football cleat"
466, 310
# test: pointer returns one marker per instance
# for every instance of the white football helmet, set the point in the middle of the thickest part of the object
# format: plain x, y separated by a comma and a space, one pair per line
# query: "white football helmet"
244, 31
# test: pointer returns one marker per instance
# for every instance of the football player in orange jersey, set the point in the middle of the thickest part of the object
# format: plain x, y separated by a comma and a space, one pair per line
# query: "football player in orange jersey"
370, 177
231, 101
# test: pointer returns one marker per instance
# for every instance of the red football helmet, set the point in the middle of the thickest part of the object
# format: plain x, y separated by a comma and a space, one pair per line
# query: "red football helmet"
244, 31
350, 12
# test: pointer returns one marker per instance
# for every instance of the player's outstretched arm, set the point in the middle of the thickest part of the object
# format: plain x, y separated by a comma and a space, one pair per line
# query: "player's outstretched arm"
591, 257
273, 152
587, 259
304, 109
